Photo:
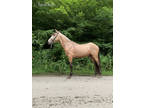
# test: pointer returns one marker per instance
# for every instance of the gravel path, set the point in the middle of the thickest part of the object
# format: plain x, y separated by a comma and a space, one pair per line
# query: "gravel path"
77, 92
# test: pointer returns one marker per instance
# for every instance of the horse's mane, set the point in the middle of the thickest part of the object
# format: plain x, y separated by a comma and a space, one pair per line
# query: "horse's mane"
65, 37
68, 38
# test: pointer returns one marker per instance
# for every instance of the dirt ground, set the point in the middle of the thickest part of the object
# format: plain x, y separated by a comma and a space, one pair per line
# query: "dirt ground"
77, 92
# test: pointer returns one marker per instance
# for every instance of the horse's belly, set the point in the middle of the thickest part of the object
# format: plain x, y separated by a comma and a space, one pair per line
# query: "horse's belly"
81, 52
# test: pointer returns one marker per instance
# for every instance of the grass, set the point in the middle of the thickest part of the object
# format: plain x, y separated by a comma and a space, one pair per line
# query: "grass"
64, 69
75, 72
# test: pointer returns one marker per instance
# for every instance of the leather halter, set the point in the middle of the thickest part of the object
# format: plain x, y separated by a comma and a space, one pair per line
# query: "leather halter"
53, 41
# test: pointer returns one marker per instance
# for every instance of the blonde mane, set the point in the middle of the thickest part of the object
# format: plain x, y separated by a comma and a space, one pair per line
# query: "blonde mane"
67, 39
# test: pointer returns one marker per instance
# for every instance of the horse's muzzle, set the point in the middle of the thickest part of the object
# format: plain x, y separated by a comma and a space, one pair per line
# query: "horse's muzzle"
50, 44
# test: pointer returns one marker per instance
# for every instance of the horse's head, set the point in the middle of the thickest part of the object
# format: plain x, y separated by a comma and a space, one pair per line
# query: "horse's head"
53, 38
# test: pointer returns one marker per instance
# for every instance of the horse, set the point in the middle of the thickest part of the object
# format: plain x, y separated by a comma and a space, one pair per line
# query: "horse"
75, 50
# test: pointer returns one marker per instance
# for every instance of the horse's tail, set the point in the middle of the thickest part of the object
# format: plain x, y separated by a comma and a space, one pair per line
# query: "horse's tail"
99, 61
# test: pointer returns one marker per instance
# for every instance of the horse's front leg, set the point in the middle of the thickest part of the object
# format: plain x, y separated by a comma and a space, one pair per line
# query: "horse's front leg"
70, 62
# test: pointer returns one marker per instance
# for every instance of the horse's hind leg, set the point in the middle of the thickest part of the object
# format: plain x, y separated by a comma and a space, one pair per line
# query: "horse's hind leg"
98, 68
97, 65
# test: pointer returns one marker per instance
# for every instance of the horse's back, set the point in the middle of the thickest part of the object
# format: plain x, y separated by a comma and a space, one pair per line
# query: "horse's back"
88, 47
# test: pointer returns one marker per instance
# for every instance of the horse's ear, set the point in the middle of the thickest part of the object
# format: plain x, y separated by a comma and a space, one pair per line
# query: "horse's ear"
57, 31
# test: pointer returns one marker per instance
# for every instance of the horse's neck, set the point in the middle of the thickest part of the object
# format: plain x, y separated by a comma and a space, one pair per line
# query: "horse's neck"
64, 40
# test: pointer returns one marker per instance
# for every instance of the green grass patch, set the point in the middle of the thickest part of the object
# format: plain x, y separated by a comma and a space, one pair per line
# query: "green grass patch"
82, 72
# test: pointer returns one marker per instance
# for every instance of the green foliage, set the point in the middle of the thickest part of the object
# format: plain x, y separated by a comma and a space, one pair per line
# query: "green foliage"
80, 20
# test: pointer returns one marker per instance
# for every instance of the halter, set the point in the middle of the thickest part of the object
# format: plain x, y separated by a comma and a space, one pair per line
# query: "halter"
53, 40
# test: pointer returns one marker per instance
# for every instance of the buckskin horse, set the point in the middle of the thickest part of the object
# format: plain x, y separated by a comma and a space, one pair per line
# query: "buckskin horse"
75, 50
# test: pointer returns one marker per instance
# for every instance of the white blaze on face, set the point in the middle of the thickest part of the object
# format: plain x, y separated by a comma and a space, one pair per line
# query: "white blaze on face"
51, 39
